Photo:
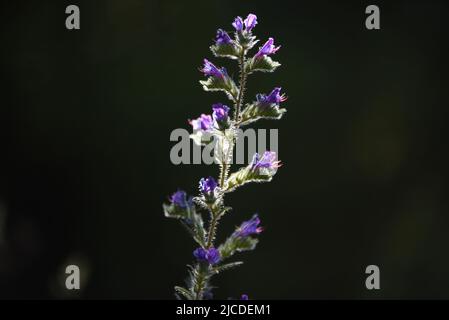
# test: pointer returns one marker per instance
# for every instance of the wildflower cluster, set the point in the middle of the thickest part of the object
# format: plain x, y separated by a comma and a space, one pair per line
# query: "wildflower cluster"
221, 125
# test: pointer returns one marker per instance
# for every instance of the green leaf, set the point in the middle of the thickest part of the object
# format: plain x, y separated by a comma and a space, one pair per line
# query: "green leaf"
173, 211
245, 244
230, 50
199, 233
246, 40
224, 145
190, 219
244, 176
254, 112
237, 244
225, 84
184, 292
227, 266
198, 280
195, 227
263, 64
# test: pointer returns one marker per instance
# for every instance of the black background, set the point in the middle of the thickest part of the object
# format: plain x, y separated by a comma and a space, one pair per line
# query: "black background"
86, 167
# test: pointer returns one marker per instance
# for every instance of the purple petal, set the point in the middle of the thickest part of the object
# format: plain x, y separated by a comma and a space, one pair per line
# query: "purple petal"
238, 24
250, 22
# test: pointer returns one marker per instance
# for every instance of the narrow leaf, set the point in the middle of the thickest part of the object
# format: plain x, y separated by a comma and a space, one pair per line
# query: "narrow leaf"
225, 50
254, 112
225, 84
227, 266
263, 64
237, 244
244, 176
184, 292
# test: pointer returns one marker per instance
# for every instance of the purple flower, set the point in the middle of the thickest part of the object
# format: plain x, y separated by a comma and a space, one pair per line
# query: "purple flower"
275, 97
267, 49
222, 37
209, 69
238, 24
179, 198
202, 129
249, 227
267, 161
208, 185
211, 255
250, 22
200, 253
220, 112
244, 297
202, 123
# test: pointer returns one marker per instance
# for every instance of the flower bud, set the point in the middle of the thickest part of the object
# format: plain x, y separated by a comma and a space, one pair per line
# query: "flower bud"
209, 69
238, 24
179, 199
220, 115
208, 187
222, 38
267, 49
265, 163
249, 227
211, 255
250, 22
274, 97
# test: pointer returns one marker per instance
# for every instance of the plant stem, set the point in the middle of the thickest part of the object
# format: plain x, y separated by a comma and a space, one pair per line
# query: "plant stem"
224, 168
238, 105
200, 281
239, 102
224, 165
216, 215
212, 228
200, 278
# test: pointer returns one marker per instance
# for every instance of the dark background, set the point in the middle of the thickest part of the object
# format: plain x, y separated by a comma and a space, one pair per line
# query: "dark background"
87, 115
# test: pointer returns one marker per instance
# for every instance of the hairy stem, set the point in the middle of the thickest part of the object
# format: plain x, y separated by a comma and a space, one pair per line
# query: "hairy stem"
225, 165
224, 168
201, 278
212, 228
202, 275
238, 105
200, 282
243, 75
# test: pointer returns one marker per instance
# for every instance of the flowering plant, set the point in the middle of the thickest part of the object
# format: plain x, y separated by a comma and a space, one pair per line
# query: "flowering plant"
222, 127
